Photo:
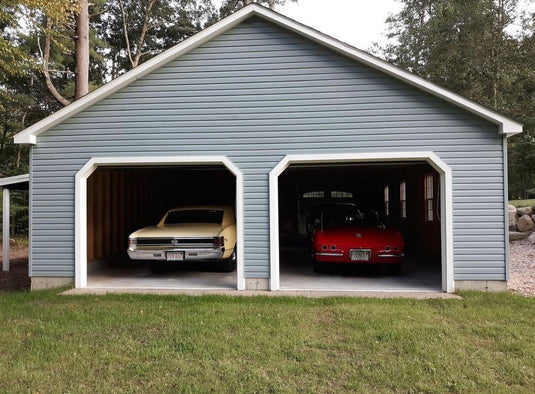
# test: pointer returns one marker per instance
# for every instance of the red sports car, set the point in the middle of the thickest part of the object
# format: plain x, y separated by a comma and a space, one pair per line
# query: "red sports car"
343, 233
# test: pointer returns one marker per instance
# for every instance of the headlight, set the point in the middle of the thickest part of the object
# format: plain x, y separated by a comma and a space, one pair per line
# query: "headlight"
132, 242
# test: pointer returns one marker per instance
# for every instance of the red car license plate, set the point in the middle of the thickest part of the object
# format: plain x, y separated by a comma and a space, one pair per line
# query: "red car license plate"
359, 254
175, 256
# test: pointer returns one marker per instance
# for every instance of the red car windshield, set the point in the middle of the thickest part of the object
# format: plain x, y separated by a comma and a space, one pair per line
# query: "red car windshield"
343, 215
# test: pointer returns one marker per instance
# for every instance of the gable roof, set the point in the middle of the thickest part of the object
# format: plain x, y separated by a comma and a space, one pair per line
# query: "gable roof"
506, 125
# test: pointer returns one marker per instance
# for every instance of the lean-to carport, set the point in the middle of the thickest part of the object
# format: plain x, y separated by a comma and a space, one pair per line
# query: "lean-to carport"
18, 182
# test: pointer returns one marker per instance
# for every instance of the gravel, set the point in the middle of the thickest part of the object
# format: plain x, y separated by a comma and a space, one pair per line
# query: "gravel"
521, 269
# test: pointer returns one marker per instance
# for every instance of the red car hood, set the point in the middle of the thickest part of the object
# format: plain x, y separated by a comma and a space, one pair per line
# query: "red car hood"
364, 234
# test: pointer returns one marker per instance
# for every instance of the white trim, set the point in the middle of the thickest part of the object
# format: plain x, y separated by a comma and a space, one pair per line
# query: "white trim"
6, 206
81, 202
13, 180
506, 207
446, 193
506, 125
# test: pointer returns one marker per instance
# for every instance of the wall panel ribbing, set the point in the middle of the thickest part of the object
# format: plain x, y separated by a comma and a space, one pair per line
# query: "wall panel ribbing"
255, 94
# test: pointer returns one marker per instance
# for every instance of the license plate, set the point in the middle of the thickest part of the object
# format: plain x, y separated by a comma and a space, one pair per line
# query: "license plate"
175, 256
359, 254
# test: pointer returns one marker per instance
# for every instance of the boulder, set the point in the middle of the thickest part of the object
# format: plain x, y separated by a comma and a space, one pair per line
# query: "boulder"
512, 221
531, 238
525, 211
516, 236
511, 208
533, 218
524, 223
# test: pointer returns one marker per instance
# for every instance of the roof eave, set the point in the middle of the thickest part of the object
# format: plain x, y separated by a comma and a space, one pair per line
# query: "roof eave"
506, 125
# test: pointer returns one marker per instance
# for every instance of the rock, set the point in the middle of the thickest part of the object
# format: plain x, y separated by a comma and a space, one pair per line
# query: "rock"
525, 211
512, 220
511, 208
516, 236
533, 218
525, 223
531, 238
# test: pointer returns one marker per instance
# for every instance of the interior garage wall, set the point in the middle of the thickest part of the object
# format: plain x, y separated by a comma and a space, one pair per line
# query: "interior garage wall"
123, 200
115, 207
255, 94
366, 182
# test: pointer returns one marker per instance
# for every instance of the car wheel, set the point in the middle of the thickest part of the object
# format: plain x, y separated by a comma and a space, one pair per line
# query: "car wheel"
394, 269
229, 265
319, 266
158, 267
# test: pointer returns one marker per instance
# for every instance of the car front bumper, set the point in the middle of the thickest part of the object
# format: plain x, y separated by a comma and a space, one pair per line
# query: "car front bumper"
337, 257
189, 254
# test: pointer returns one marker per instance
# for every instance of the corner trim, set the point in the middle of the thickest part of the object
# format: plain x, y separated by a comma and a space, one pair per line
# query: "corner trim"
80, 209
446, 194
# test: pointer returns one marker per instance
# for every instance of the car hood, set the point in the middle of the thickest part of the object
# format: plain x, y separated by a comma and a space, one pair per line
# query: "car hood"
365, 233
180, 230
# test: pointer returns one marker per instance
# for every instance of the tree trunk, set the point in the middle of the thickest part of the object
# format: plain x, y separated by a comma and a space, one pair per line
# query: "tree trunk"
45, 56
4, 133
82, 51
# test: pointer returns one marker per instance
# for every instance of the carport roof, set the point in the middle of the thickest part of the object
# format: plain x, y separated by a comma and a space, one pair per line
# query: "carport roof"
506, 125
17, 182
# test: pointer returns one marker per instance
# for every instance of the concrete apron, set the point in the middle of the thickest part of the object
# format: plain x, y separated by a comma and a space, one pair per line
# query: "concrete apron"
280, 293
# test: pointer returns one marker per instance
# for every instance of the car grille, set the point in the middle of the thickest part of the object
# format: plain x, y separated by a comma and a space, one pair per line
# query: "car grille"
177, 242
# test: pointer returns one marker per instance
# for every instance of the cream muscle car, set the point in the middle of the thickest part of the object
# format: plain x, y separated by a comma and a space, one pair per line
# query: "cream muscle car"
188, 234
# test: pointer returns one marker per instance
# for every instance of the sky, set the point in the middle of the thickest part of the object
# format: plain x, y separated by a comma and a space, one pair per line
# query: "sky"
359, 23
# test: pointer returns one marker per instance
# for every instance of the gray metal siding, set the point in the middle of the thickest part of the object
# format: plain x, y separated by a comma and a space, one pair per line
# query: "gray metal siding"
255, 94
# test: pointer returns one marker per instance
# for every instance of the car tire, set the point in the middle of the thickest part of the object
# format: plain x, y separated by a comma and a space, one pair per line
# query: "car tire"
158, 267
319, 266
229, 265
393, 269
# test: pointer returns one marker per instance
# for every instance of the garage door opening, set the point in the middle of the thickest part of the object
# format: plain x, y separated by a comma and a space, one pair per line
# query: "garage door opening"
121, 198
404, 194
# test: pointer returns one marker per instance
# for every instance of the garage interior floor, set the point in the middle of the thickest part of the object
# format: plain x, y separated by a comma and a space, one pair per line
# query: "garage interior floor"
139, 276
296, 274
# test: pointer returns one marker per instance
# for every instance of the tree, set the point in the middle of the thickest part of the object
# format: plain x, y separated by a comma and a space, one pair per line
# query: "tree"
467, 47
229, 6
48, 21
11, 55
136, 30
461, 45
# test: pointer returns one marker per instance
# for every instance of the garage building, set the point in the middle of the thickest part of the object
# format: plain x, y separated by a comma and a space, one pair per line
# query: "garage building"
269, 115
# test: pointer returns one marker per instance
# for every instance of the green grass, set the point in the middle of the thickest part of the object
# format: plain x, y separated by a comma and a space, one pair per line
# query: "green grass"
522, 203
141, 343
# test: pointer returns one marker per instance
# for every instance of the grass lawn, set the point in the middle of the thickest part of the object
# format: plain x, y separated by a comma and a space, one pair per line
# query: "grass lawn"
522, 203
140, 343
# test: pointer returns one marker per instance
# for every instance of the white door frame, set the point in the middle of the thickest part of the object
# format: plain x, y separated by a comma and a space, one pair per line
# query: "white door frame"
80, 278
446, 205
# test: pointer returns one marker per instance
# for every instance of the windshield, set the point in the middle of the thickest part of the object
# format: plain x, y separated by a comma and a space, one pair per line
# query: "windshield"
195, 216
343, 215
